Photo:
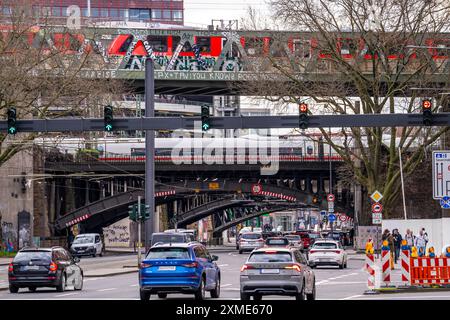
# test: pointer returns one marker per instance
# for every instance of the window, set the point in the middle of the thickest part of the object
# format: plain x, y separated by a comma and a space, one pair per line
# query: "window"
270, 256
26, 256
200, 253
84, 12
95, 12
158, 43
156, 14
325, 245
104, 12
254, 46
139, 14
64, 11
348, 47
36, 11
177, 15
6, 10
97, 239
56, 11
122, 13
168, 253
114, 12
301, 48
204, 43
252, 236
166, 14
176, 40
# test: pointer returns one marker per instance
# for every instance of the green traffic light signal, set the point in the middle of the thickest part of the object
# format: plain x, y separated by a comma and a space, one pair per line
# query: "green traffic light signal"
205, 118
11, 114
108, 118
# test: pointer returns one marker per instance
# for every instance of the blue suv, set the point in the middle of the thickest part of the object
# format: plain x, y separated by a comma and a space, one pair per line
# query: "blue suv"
179, 268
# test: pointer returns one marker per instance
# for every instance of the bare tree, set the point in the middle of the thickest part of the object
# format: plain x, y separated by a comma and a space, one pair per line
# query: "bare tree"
362, 57
40, 73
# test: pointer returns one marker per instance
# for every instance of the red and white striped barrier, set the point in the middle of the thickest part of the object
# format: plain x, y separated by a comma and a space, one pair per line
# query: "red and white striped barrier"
425, 271
277, 195
77, 220
370, 262
164, 193
385, 266
405, 262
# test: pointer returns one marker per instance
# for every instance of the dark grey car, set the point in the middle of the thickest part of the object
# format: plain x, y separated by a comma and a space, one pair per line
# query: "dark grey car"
277, 271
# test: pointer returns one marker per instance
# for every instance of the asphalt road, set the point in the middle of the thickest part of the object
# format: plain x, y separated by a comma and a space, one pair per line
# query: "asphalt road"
332, 284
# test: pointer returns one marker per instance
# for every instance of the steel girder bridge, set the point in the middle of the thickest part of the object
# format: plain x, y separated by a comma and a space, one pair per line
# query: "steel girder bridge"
200, 62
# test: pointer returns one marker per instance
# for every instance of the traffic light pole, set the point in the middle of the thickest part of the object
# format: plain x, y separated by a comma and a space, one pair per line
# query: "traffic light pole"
149, 152
139, 222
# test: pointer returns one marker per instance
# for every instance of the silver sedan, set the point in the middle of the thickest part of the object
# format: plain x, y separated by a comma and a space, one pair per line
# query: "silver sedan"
277, 271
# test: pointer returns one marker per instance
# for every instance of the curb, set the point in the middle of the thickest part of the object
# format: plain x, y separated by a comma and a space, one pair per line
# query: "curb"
409, 290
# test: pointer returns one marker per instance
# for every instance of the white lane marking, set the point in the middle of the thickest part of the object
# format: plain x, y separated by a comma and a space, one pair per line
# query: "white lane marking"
351, 297
108, 289
134, 285
230, 253
91, 279
418, 297
225, 285
223, 265
341, 282
67, 294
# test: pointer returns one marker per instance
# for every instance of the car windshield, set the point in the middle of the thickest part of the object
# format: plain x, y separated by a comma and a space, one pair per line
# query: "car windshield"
168, 238
83, 239
293, 237
168, 253
304, 235
325, 245
25, 256
275, 256
277, 241
251, 236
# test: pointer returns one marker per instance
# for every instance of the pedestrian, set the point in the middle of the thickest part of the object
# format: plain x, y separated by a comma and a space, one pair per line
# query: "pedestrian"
409, 237
397, 243
389, 238
425, 236
351, 235
420, 241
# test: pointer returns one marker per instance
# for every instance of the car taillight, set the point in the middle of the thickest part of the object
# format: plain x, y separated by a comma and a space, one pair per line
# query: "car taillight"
191, 265
53, 266
337, 251
295, 267
145, 265
260, 240
10, 267
312, 251
246, 267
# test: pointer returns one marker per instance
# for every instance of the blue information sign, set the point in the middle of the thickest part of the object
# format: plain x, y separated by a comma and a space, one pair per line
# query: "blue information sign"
323, 213
445, 202
332, 218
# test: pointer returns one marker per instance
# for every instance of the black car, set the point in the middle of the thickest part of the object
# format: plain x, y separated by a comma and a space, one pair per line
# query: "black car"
44, 267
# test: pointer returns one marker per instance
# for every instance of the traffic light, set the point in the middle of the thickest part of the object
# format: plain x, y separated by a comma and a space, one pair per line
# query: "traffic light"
145, 211
11, 113
426, 112
132, 212
108, 116
315, 199
303, 115
205, 118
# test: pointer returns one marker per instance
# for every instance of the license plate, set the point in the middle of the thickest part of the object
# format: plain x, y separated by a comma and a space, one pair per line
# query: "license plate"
31, 268
324, 260
167, 268
270, 271
81, 250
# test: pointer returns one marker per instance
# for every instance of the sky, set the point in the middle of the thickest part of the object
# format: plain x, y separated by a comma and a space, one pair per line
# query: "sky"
199, 13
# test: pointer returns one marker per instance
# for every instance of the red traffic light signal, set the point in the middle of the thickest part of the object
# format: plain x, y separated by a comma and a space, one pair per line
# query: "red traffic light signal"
303, 107
426, 104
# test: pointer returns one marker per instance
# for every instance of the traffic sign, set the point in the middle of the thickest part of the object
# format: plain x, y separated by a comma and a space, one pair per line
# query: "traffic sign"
323, 213
330, 197
376, 221
343, 218
256, 189
330, 205
376, 196
332, 218
441, 174
377, 207
377, 216
445, 202
330, 209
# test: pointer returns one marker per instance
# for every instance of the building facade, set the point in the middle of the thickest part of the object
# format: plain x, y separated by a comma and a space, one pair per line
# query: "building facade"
160, 11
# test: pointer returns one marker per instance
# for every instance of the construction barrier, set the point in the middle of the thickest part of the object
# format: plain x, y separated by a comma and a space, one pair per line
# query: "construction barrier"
405, 263
427, 271
370, 262
386, 263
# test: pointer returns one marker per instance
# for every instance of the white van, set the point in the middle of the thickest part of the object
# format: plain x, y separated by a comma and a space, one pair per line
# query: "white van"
87, 244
